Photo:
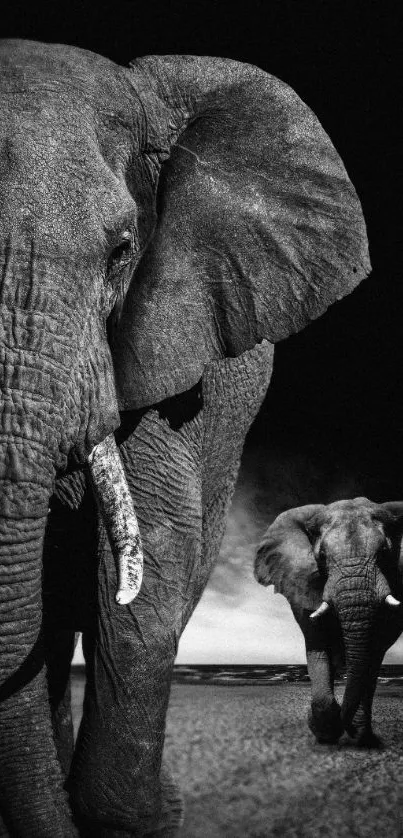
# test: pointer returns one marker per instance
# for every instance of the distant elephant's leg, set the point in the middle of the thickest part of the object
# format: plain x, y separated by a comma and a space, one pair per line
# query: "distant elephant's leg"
324, 716
361, 727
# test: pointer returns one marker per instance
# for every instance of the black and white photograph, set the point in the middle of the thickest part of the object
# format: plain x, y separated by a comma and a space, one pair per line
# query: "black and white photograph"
201, 419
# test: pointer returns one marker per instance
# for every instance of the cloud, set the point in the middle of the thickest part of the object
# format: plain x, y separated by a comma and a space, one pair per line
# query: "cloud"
257, 629
238, 621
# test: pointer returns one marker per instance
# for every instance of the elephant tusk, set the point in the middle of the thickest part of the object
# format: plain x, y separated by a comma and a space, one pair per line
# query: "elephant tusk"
391, 601
118, 513
320, 611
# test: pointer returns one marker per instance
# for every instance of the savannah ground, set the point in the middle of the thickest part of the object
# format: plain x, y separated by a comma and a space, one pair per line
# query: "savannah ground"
250, 768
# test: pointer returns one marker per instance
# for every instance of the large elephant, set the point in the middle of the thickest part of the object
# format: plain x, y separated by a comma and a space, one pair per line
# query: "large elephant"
340, 567
186, 213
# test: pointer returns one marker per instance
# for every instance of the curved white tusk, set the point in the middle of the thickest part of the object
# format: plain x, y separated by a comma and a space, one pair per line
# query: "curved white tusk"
320, 611
117, 510
390, 600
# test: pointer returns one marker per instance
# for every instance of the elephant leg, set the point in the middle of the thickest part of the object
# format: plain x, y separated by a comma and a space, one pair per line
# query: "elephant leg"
324, 715
171, 817
181, 461
360, 728
59, 650
117, 785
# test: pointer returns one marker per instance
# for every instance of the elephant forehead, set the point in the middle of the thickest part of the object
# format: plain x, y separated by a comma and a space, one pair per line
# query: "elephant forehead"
359, 504
352, 511
32, 73
352, 534
61, 174
57, 188
49, 194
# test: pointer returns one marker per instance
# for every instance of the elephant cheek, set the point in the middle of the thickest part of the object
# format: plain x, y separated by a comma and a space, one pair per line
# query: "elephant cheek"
98, 409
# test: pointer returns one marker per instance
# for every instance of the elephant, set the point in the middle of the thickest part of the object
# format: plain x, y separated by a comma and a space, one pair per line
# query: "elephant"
340, 567
162, 226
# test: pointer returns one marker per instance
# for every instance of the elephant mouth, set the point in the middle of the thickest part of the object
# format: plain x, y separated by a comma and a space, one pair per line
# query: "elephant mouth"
176, 410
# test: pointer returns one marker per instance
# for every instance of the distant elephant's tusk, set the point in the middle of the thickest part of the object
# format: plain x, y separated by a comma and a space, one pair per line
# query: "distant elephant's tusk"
118, 513
390, 600
324, 606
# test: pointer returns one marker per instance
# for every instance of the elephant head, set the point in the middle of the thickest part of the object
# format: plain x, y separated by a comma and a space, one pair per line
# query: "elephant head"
188, 208
340, 567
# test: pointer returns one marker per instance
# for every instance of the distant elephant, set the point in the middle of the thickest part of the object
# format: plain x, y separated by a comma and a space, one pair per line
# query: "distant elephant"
161, 225
341, 568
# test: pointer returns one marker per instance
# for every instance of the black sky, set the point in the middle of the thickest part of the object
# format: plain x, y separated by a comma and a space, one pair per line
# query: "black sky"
335, 408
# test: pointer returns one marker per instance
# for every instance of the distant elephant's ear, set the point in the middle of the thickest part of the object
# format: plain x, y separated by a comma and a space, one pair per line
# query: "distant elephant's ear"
286, 558
259, 228
391, 516
392, 510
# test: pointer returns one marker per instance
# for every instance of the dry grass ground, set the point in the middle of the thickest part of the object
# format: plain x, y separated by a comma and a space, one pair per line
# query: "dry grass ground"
249, 768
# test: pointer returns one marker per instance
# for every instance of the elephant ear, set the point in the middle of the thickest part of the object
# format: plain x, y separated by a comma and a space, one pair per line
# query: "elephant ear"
391, 516
258, 230
285, 558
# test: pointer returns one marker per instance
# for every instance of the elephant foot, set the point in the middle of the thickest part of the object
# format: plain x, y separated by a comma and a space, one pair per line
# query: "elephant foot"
363, 738
324, 721
172, 807
170, 820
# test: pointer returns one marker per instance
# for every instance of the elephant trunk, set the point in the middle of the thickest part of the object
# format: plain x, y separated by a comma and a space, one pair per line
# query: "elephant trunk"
32, 801
358, 671
51, 364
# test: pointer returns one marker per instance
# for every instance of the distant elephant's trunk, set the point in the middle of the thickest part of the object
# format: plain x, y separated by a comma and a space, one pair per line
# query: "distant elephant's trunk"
357, 623
358, 669
358, 596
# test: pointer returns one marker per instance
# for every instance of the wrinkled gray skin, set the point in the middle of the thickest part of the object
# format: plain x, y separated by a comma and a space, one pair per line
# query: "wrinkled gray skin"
161, 226
349, 555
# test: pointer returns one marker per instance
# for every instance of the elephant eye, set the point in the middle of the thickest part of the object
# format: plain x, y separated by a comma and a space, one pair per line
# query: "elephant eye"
121, 255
